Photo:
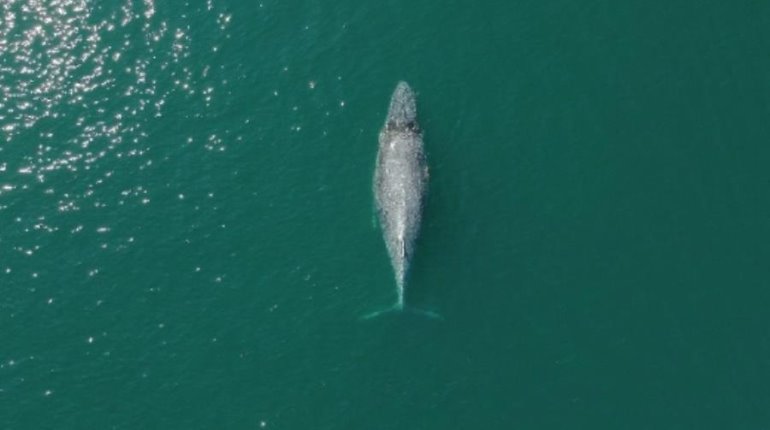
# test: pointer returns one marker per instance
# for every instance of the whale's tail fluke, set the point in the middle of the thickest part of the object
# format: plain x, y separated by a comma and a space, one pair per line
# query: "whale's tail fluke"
399, 307
375, 314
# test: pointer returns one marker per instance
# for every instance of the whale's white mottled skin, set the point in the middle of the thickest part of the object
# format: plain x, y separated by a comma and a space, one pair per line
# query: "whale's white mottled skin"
400, 182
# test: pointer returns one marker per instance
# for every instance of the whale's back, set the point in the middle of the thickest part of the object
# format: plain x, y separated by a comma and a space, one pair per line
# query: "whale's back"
400, 184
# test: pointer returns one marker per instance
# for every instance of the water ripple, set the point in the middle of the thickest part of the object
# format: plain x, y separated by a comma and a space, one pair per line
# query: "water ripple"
83, 85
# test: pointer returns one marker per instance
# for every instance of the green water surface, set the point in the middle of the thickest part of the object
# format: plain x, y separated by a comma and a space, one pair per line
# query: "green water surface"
186, 236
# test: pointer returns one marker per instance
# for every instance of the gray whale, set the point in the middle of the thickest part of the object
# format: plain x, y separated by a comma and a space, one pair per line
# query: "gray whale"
400, 182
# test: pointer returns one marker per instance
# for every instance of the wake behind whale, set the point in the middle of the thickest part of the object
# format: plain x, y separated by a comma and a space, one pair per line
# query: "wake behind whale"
400, 184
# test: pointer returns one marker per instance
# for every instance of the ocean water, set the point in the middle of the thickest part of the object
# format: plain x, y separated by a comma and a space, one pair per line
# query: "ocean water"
186, 215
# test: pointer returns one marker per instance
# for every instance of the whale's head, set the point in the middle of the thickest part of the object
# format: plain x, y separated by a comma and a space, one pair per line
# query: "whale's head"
402, 113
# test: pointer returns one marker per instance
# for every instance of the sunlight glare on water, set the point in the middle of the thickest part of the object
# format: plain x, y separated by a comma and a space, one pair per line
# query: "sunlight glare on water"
80, 93
188, 234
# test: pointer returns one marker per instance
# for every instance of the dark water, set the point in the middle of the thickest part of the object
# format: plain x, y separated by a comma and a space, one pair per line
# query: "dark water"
186, 235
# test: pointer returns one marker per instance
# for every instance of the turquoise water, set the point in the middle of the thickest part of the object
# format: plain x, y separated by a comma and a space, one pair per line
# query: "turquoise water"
187, 231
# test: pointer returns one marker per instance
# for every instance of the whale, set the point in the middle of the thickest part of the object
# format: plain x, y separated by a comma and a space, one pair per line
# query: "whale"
400, 183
